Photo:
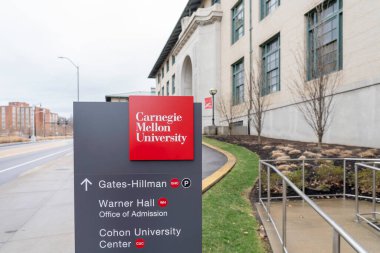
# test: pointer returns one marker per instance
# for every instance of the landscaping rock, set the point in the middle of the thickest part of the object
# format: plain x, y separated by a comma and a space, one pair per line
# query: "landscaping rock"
266, 147
346, 154
282, 158
262, 233
331, 152
302, 157
286, 149
369, 153
294, 152
284, 167
309, 154
294, 166
276, 154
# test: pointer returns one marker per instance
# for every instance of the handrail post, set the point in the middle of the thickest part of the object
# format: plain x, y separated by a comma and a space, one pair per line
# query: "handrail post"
284, 197
303, 178
259, 181
344, 179
356, 193
374, 195
268, 193
336, 242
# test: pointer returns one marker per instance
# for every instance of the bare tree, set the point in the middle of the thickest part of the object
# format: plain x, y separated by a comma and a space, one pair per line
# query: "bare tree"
317, 78
225, 109
257, 102
229, 111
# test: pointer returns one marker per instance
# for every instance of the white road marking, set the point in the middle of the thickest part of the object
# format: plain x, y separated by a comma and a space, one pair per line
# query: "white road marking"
32, 161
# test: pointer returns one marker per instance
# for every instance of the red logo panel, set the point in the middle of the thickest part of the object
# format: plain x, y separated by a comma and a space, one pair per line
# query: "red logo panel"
161, 128
140, 243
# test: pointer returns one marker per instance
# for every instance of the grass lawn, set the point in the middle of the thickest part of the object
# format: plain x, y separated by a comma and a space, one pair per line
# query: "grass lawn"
228, 222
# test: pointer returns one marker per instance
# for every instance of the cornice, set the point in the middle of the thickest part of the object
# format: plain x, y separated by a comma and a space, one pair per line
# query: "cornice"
202, 17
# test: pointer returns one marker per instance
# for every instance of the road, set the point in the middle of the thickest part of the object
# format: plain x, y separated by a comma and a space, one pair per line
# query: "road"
37, 196
19, 158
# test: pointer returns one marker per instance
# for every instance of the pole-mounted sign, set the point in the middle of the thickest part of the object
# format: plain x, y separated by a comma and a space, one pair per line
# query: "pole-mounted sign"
138, 176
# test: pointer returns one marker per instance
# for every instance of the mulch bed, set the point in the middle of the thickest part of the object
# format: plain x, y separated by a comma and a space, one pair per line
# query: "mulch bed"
268, 145
282, 150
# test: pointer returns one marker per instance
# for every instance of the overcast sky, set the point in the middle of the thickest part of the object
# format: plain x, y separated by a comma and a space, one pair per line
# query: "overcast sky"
115, 43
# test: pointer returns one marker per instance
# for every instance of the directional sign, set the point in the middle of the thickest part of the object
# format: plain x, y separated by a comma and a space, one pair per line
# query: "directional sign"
132, 206
86, 182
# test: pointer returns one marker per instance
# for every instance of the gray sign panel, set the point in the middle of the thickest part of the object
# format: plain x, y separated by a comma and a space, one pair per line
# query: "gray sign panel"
132, 206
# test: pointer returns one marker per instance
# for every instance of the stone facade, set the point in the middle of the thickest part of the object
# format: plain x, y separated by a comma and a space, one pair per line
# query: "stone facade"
205, 53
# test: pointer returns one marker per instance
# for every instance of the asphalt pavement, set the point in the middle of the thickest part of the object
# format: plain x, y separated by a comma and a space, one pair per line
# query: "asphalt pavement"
17, 159
211, 161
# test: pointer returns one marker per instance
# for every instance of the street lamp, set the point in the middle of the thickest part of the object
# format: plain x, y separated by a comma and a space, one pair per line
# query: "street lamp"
34, 127
77, 67
213, 91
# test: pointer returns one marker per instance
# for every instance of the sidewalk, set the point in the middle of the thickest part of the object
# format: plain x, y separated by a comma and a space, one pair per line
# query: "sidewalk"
37, 210
308, 232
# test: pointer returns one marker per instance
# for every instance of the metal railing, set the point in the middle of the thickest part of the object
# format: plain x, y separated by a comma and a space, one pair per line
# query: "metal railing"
344, 194
374, 213
338, 232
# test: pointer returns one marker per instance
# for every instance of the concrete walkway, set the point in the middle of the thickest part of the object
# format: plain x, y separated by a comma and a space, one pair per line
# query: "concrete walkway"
308, 232
37, 208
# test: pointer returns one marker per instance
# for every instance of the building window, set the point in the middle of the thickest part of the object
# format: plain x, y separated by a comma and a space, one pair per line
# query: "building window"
173, 59
162, 91
237, 21
215, 1
167, 88
159, 78
173, 84
268, 6
158, 94
162, 72
271, 65
167, 66
236, 123
325, 33
238, 82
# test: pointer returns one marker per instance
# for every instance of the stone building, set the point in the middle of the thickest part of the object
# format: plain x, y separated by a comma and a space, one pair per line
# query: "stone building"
216, 44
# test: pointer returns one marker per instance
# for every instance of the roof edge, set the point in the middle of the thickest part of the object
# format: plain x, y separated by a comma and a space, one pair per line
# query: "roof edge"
191, 6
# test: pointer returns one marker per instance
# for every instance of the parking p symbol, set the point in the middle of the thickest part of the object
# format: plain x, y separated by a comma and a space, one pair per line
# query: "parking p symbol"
186, 183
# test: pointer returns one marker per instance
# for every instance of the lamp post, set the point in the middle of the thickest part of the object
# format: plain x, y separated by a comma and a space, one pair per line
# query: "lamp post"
33, 138
77, 67
213, 91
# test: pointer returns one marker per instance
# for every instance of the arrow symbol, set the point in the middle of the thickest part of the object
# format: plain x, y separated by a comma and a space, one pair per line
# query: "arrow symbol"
86, 182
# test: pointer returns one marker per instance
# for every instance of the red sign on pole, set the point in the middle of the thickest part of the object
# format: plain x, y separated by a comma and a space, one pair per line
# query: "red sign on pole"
208, 103
161, 128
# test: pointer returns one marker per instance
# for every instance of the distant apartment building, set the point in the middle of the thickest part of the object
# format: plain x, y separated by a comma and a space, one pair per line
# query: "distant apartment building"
17, 119
216, 44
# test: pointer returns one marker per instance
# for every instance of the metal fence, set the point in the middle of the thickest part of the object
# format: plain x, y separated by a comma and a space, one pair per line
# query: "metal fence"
363, 216
338, 232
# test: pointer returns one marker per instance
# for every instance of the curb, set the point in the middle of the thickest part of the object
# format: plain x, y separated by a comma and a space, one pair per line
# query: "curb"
215, 177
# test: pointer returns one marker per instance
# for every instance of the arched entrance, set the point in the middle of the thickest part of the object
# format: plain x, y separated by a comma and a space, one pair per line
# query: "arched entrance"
187, 77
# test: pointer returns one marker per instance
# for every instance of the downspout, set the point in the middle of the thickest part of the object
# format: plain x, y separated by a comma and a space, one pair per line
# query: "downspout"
250, 69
